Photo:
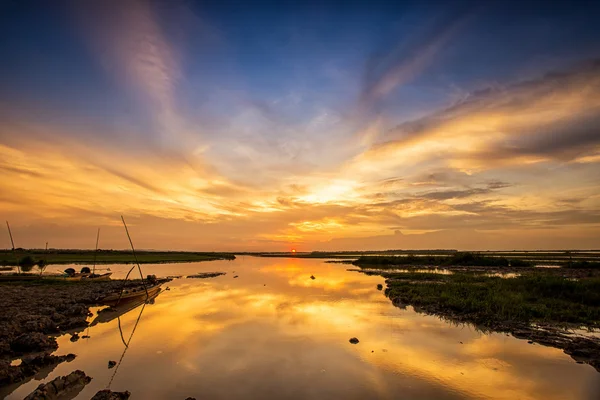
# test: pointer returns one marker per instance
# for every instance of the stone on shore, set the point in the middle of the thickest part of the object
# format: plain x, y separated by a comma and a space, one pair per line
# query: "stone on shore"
106, 394
29, 366
33, 342
63, 386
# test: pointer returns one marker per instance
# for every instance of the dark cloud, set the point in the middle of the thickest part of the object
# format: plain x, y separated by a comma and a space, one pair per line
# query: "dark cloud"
20, 171
498, 185
132, 179
563, 139
454, 194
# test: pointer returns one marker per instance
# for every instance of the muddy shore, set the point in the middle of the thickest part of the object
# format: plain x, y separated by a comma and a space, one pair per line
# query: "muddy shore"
34, 313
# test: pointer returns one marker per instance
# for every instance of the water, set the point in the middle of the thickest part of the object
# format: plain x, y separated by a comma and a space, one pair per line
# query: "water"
226, 338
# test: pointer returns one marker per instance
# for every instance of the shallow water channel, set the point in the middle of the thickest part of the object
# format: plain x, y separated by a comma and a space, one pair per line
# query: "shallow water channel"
274, 332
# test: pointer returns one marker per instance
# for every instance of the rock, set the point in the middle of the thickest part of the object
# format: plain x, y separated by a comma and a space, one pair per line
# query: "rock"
76, 310
40, 323
354, 340
58, 318
85, 337
190, 398
74, 337
61, 387
312, 277
202, 275
33, 342
111, 364
379, 286
106, 394
235, 276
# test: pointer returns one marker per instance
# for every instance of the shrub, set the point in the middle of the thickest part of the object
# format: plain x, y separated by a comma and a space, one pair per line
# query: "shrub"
26, 263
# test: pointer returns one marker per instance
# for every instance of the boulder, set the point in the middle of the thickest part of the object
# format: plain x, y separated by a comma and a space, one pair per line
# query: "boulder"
33, 342
106, 394
63, 386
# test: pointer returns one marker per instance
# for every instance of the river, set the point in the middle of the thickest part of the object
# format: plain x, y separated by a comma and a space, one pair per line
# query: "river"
273, 332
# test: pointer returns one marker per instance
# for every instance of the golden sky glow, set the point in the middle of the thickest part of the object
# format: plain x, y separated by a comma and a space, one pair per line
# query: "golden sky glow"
511, 163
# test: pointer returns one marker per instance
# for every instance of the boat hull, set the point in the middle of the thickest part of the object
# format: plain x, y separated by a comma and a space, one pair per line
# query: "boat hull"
130, 295
103, 277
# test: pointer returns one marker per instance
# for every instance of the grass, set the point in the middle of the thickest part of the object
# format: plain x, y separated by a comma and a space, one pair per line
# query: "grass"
582, 265
458, 259
495, 301
109, 256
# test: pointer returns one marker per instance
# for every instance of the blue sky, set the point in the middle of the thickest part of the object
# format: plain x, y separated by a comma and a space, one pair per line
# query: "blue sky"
224, 113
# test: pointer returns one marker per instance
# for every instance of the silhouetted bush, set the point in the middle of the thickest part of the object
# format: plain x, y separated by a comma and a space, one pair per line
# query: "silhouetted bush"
26, 263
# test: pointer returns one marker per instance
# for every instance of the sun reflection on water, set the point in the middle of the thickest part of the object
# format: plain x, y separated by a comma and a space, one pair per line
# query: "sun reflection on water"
275, 332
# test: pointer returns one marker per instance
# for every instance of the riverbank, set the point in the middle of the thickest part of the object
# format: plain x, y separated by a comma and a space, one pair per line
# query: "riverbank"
35, 313
57, 256
477, 260
539, 305
576, 259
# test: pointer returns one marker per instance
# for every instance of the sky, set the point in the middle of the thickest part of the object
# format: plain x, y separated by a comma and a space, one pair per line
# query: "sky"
271, 126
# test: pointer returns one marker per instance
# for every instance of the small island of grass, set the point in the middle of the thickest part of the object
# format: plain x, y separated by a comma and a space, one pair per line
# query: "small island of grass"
542, 305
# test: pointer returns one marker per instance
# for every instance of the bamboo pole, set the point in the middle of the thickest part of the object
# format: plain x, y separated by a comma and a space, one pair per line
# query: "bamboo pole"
96, 252
135, 256
12, 243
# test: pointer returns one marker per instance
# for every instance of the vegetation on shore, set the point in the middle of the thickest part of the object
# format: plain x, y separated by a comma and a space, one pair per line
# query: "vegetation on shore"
567, 258
493, 302
55, 256
457, 259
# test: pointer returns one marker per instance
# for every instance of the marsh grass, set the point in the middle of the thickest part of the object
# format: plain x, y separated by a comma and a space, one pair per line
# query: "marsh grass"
112, 256
493, 301
458, 259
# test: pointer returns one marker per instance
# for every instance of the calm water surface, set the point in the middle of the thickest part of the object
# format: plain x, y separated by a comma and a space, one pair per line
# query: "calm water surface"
275, 333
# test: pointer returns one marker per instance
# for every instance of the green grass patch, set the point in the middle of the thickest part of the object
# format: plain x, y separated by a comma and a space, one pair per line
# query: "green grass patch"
458, 259
493, 301
109, 256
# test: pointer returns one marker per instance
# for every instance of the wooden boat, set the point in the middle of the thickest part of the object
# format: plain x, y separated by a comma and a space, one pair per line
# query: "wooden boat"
81, 277
111, 313
96, 277
74, 277
130, 294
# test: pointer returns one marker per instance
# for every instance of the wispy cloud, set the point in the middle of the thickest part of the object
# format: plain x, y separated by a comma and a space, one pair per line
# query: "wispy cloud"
388, 69
128, 40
